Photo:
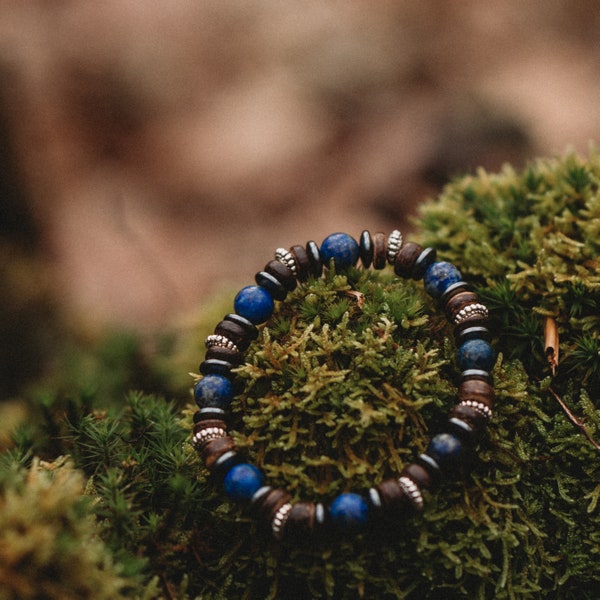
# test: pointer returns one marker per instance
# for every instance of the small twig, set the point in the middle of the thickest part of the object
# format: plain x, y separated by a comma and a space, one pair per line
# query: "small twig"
358, 296
574, 419
551, 342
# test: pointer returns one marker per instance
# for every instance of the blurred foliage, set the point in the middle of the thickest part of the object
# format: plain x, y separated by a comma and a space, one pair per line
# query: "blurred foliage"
344, 385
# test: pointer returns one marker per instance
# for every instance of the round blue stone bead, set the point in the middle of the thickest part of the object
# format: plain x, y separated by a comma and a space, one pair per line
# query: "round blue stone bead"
445, 449
254, 303
242, 481
439, 276
475, 354
213, 391
342, 248
349, 512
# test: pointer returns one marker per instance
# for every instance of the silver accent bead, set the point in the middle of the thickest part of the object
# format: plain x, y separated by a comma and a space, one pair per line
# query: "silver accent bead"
469, 311
411, 489
287, 258
279, 520
394, 244
202, 437
219, 340
480, 407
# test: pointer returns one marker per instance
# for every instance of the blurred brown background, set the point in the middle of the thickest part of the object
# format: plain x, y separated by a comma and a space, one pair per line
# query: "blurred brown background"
154, 153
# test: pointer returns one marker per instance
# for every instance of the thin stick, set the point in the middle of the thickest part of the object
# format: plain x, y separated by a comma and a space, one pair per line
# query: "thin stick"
574, 419
551, 342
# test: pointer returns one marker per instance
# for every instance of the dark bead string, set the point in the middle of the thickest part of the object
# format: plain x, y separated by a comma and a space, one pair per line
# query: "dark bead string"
255, 304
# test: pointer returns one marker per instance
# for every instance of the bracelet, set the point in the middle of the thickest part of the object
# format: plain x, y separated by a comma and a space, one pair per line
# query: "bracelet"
254, 305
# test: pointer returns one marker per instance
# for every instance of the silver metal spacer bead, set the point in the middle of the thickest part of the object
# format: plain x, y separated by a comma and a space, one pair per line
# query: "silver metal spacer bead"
202, 437
280, 519
411, 489
219, 340
469, 311
287, 258
394, 244
480, 407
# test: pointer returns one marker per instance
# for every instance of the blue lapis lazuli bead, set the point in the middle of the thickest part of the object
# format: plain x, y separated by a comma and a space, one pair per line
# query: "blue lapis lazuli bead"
215, 391
475, 354
445, 449
439, 276
342, 248
242, 482
349, 512
254, 303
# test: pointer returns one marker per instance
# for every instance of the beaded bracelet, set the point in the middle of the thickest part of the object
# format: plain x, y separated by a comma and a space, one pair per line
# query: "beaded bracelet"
254, 305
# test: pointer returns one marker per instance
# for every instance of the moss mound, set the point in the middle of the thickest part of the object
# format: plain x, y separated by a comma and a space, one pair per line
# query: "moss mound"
345, 384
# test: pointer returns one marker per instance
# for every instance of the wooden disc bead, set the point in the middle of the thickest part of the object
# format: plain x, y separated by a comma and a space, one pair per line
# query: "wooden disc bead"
366, 249
282, 273
223, 353
267, 506
406, 258
470, 415
215, 449
392, 495
271, 284
456, 303
476, 390
302, 262
379, 250
301, 519
234, 332
418, 474
314, 256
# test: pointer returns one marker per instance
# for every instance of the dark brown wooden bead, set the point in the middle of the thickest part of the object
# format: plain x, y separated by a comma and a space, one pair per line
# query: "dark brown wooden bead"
423, 262
452, 290
267, 507
476, 390
417, 474
301, 519
379, 250
215, 449
234, 332
235, 357
392, 495
456, 303
216, 366
314, 256
470, 415
302, 262
271, 284
282, 273
405, 259
249, 327
366, 249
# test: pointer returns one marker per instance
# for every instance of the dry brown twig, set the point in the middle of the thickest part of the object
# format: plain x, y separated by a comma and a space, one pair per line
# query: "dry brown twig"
574, 419
551, 342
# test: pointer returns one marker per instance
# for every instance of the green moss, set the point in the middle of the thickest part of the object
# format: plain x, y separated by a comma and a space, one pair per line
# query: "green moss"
532, 241
344, 385
48, 537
